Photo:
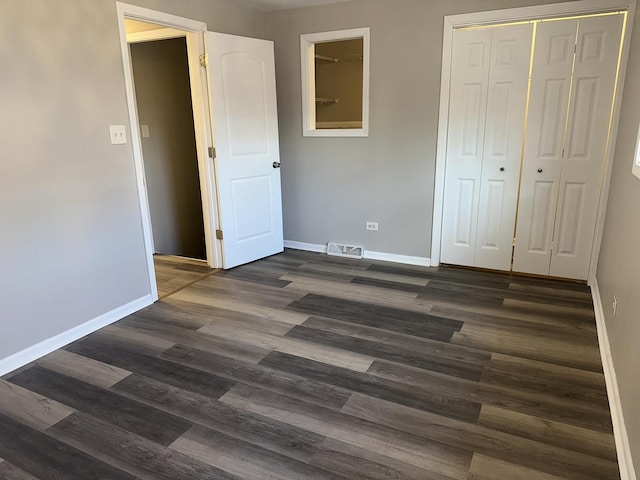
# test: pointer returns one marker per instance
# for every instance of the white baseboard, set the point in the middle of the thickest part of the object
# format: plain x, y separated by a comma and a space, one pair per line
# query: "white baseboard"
625, 461
47, 346
387, 257
394, 257
307, 247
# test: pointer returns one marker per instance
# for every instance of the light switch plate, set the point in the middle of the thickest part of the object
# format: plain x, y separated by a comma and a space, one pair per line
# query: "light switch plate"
145, 131
118, 134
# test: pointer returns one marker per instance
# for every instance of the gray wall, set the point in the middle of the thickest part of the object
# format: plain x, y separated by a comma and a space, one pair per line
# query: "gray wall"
71, 245
163, 93
619, 265
332, 185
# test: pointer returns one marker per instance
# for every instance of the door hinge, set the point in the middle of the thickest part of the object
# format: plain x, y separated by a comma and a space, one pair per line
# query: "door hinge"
212, 152
562, 153
514, 242
219, 235
204, 60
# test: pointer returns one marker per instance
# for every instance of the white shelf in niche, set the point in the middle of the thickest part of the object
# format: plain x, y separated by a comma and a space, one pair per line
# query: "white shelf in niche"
326, 59
324, 100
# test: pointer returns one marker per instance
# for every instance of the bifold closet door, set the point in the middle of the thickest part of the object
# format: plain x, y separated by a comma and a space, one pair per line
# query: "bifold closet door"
465, 144
548, 104
594, 78
489, 79
566, 140
504, 130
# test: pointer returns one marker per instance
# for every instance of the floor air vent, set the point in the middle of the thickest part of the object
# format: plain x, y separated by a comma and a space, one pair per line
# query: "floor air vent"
344, 250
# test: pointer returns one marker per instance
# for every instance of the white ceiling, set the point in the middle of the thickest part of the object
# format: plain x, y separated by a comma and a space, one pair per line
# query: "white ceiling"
269, 5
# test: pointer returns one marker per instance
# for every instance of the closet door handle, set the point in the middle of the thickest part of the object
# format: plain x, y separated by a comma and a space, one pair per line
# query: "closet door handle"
502, 169
539, 170
275, 164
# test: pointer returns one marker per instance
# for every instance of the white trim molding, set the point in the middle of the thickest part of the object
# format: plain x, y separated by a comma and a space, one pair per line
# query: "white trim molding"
537, 12
153, 35
397, 258
47, 346
625, 461
368, 254
307, 247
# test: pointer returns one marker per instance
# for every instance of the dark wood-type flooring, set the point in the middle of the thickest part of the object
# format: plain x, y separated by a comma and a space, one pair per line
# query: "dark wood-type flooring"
305, 366
174, 273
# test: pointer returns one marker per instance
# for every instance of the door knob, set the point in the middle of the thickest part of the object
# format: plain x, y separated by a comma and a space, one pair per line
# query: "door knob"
539, 170
502, 169
275, 164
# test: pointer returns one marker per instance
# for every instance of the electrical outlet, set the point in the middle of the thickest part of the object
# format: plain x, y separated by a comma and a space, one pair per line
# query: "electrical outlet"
373, 226
615, 306
118, 134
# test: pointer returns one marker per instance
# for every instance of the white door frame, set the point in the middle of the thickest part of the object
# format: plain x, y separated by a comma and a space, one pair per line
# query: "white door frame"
451, 22
193, 31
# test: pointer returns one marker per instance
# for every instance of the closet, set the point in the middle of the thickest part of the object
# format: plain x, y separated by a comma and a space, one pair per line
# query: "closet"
529, 123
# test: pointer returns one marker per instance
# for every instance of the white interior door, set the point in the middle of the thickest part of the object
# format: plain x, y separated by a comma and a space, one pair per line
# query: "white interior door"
506, 111
572, 88
594, 77
245, 127
490, 73
545, 136
467, 115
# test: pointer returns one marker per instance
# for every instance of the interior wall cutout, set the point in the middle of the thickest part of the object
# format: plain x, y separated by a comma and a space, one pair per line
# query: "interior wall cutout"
335, 83
163, 94
339, 84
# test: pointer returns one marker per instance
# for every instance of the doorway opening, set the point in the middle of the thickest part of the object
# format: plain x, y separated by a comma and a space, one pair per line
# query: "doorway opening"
163, 99
168, 132
232, 82
164, 103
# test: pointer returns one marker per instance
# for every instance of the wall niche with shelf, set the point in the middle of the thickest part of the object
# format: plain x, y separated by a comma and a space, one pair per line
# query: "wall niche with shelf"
335, 83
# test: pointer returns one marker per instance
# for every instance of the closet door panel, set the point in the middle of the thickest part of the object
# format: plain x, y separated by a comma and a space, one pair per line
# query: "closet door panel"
465, 196
543, 150
595, 71
467, 112
541, 216
506, 107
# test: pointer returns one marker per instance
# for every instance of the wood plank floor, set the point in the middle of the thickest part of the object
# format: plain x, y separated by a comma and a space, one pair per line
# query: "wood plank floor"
304, 366
174, 273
